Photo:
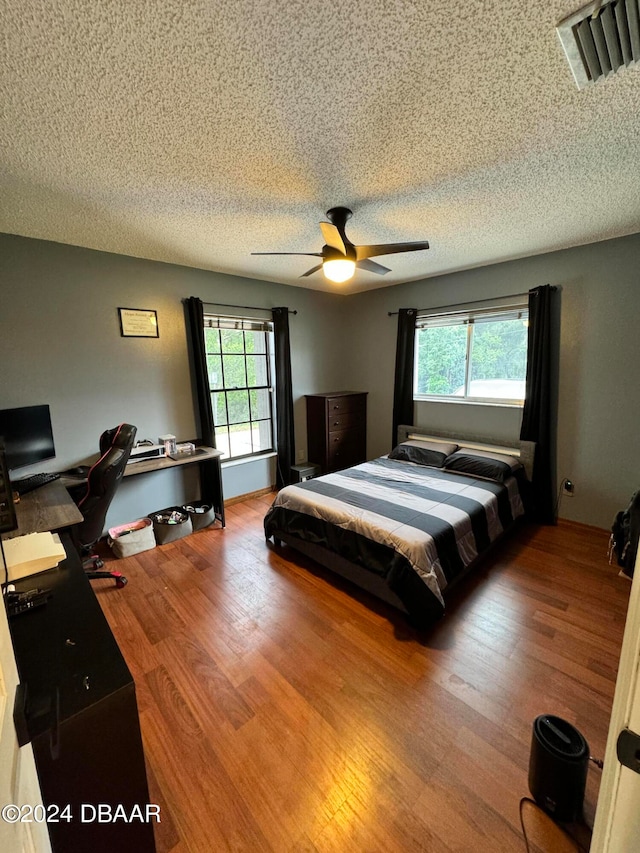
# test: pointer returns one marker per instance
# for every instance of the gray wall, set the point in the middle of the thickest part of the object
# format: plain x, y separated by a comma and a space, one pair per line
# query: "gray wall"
60, 344
598, 395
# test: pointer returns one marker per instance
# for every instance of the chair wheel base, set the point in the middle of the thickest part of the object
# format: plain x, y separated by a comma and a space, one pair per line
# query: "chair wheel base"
120, 579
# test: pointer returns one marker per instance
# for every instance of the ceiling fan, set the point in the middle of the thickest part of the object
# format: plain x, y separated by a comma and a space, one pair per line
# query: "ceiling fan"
340, 257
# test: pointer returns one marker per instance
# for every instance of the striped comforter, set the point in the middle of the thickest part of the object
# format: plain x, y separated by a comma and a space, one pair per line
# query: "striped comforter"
397, 516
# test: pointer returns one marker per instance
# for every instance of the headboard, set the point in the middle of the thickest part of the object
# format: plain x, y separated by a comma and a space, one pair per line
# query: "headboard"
524, 451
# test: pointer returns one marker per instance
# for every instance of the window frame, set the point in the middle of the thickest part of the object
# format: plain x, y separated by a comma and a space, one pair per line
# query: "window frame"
468, 319
221, 323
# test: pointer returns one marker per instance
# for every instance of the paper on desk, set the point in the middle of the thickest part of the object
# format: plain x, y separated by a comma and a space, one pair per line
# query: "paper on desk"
35, 552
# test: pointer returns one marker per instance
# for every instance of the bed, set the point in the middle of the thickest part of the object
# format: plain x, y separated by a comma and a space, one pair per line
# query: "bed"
406, 527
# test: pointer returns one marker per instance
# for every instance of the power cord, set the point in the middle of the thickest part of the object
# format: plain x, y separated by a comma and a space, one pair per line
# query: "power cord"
6, 567
570, 838
557, 506
5, 585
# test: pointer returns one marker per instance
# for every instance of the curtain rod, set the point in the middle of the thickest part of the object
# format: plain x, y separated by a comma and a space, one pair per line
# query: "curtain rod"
473, 302
249, 307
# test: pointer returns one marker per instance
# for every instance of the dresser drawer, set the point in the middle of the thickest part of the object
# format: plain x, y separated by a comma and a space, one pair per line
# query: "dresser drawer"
340, 405
344, 420
343, 456
343, 437
346, 447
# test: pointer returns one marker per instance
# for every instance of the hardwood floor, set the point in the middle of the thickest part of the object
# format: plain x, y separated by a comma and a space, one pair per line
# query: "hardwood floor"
281, 713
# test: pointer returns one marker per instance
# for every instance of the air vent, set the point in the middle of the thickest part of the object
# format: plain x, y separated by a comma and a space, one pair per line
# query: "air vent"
601, 39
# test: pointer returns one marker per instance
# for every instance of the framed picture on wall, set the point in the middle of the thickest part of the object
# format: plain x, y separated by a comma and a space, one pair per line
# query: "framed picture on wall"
138, 323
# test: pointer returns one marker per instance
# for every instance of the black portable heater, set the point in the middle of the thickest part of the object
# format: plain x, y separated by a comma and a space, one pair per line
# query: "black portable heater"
558, 767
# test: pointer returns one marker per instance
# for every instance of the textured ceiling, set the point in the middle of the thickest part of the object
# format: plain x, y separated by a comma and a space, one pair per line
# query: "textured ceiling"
196, 133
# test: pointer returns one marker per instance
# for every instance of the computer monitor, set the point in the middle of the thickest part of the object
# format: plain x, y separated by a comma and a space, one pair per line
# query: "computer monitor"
27, 435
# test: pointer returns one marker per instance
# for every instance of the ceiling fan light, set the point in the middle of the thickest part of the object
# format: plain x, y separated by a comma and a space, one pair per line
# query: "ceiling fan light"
339, 270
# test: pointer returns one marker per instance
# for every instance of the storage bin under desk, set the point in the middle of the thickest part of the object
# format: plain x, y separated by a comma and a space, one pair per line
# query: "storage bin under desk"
210, 473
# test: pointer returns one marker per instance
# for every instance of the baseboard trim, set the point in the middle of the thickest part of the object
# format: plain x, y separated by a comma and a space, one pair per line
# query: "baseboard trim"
579, 524
257, 494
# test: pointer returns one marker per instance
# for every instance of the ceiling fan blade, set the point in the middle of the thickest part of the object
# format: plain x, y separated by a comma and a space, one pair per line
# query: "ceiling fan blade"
307, 254
372, 266
311, 271
332, 237
363, 252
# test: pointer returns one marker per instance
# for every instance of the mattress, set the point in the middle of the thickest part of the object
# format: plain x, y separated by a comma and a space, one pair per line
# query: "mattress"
417, 528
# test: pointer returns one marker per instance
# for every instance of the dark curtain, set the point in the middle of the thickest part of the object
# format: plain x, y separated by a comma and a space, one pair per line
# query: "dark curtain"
403, 386
195, 319
536, 414
209, 483
284, 397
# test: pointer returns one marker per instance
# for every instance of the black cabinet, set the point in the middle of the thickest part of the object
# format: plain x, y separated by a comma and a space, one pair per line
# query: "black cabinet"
77, 706
337, 429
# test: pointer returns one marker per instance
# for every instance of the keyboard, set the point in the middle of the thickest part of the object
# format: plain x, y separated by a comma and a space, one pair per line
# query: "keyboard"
22, 487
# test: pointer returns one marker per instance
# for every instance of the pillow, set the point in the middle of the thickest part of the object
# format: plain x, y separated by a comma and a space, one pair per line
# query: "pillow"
432, 453
483, 464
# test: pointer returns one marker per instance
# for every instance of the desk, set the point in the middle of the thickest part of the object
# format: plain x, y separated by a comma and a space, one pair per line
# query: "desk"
51, 508
76, 702
77, 706
48, 508
210, 474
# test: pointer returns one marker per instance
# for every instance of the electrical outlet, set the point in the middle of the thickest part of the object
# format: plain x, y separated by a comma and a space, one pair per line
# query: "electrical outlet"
301, 455
568, 488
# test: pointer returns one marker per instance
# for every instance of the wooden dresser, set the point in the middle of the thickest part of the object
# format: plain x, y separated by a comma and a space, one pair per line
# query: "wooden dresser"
337, 429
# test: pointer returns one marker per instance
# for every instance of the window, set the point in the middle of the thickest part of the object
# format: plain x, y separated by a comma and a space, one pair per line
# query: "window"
239, 371
472, 355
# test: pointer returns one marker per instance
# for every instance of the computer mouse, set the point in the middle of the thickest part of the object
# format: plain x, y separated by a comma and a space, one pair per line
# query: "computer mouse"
79, 471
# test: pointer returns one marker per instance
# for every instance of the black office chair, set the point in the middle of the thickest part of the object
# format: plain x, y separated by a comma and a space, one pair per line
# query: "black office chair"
93, 499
